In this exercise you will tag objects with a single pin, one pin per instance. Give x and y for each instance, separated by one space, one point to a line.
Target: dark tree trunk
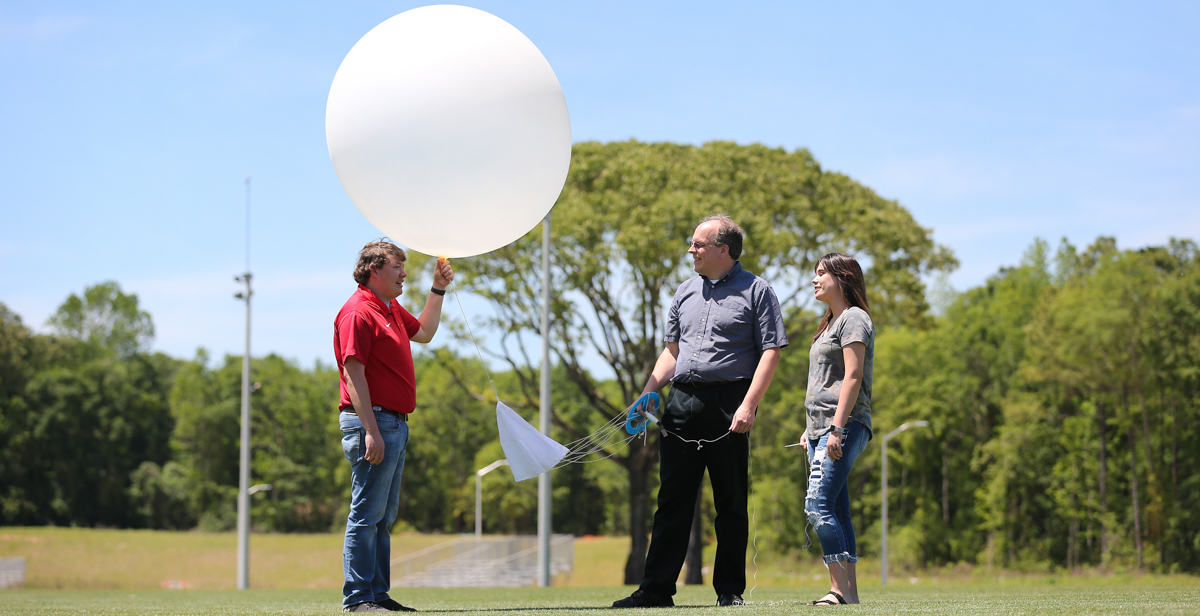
1146 436
1133 493
1174 449
695 550
639 463
1170 544
945 488
1101 427
1072 545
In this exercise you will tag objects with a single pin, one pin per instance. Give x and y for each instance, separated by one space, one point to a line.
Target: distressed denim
827 503
374 502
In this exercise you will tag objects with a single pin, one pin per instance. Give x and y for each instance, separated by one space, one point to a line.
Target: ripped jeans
827 503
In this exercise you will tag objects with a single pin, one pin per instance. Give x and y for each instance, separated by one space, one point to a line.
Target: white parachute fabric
529 452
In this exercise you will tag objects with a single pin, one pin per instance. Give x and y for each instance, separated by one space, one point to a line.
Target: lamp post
243 501
479 494
884 483
544 415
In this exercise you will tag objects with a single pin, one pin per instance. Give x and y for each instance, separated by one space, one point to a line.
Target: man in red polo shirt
371 338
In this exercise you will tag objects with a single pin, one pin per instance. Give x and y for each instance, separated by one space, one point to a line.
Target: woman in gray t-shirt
838 402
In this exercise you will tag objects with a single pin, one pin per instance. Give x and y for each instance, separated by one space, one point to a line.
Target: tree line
1061 393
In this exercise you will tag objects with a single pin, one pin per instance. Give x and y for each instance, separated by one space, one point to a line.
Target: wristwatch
838 430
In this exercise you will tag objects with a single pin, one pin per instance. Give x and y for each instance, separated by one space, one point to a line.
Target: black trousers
701 413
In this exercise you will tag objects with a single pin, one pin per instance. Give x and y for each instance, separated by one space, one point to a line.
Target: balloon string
590 444
698 442
474 341
753 512
596 442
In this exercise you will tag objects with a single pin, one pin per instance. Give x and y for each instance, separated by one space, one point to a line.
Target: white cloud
42 28
225 45
956 232
937 177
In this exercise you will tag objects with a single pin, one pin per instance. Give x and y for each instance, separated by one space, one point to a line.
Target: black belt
378 409
704 384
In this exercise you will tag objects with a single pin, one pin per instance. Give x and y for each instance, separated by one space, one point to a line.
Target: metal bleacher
12 572
504 561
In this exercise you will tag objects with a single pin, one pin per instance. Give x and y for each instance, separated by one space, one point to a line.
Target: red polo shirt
378 336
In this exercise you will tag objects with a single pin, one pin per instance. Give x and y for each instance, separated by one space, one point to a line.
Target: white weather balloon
449 130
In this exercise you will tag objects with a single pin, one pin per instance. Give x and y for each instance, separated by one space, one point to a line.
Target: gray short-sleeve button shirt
723 327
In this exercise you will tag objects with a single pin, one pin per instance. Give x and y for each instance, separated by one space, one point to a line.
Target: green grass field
85 571
1154 596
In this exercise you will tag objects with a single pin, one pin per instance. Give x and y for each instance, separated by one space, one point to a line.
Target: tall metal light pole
243 503
544 418
884 483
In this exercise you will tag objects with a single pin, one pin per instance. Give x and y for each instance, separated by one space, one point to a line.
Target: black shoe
644 598
392 605
730 599
365 606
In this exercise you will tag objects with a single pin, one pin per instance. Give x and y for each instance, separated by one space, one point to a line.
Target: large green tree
957 375
1061 398
618 255
294 443
105 319
84 408
20 359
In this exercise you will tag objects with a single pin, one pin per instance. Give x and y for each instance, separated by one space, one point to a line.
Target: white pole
243 502
884 501
479 494
544 418
884 495
478 506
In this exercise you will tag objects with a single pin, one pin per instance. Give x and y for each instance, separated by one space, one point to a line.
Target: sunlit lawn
1150 596
85 571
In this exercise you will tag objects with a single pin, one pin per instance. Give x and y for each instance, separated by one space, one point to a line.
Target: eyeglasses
699 245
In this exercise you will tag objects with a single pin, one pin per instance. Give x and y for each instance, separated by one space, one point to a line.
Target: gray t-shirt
827 370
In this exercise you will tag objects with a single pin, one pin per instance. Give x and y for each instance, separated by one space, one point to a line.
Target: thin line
586 445
699 442
753 513
473 340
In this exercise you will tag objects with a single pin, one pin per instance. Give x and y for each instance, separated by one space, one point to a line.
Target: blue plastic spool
635 422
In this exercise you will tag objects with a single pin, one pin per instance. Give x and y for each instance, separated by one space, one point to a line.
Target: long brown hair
850 279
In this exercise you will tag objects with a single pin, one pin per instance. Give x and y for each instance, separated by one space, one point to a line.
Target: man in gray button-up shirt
724 334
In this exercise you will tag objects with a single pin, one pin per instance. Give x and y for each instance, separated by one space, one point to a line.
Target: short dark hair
728 233
374 256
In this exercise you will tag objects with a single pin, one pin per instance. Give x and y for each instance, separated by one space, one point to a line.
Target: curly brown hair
374 256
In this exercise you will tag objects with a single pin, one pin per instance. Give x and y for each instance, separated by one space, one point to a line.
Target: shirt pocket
828 352
732 320
735 311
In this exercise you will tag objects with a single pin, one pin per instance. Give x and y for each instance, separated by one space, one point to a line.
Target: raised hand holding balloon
448 113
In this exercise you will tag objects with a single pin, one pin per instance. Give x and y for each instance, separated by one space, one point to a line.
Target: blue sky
128 129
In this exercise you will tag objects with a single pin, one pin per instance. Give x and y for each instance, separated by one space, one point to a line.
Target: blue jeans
374 502
827 503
